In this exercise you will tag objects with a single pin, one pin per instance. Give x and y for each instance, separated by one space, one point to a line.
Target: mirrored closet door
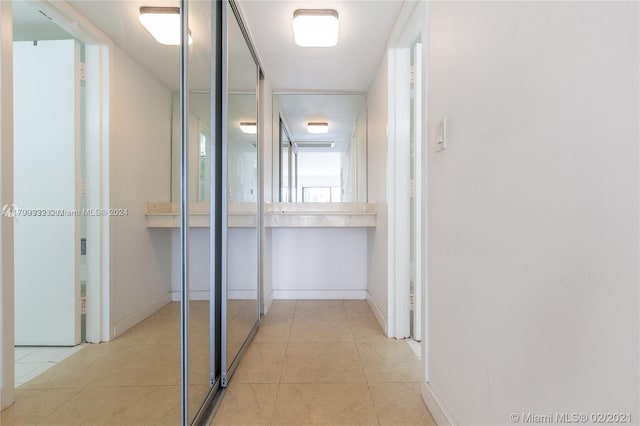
240 309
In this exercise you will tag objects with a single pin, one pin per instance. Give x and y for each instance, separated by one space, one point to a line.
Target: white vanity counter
276 215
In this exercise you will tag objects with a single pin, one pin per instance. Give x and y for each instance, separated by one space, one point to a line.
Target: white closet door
46 176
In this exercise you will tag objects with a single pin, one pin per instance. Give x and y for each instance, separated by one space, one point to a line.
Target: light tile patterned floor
32 361
324 362
312 362
133 380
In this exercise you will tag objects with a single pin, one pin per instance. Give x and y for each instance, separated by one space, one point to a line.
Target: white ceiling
30 24
119 20
350 66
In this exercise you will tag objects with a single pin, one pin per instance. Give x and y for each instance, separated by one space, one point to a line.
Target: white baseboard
126 323
4 404
268 301
320 294
378 313
242 294
436 407
199 295
196 295
6 398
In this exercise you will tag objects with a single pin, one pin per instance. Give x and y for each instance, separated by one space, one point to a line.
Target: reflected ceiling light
315 27
249 127
163 23
317 128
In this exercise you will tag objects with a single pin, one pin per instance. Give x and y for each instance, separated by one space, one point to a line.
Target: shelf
276 215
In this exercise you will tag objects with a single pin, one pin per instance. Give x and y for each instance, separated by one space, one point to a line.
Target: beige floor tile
389 361
320 310
197 395
144 365
262 363
274 330
282 309
161 327
322 363
233 349
315 330
400 404
199 364
361 314
327 404
356 307
247 404
122 406
33 406
366 328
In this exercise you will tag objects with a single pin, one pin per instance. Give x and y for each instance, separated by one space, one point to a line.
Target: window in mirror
242 142
320 174
332 166
205 165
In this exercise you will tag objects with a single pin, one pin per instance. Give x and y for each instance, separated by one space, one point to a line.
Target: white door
46 177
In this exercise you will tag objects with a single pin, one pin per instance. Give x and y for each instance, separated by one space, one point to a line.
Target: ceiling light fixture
315 144
316 27
163 23
317 127
249 127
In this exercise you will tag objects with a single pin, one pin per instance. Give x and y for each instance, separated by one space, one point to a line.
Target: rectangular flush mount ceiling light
316 27
317 128
304 144
249 127
163 23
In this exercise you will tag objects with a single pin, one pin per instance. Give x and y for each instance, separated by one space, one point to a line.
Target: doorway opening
59 90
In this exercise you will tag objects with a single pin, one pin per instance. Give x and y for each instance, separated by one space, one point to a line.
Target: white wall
140 166
199 264
533 209
242 264
319 263
6 197
377 111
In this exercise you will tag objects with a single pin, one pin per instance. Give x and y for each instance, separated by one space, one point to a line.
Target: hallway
312 362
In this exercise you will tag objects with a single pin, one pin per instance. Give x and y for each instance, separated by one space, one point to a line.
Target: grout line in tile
53 410
275 400
366 379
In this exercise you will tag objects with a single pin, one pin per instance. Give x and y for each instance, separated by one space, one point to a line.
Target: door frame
411 24
97 180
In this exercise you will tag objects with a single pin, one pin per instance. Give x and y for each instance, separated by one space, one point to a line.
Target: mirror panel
242 191
328 167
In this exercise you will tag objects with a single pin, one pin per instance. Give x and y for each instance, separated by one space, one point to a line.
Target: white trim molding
377 312
202 295
129 321
194 295
7 325
404 34
320 294
436 407
268 301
